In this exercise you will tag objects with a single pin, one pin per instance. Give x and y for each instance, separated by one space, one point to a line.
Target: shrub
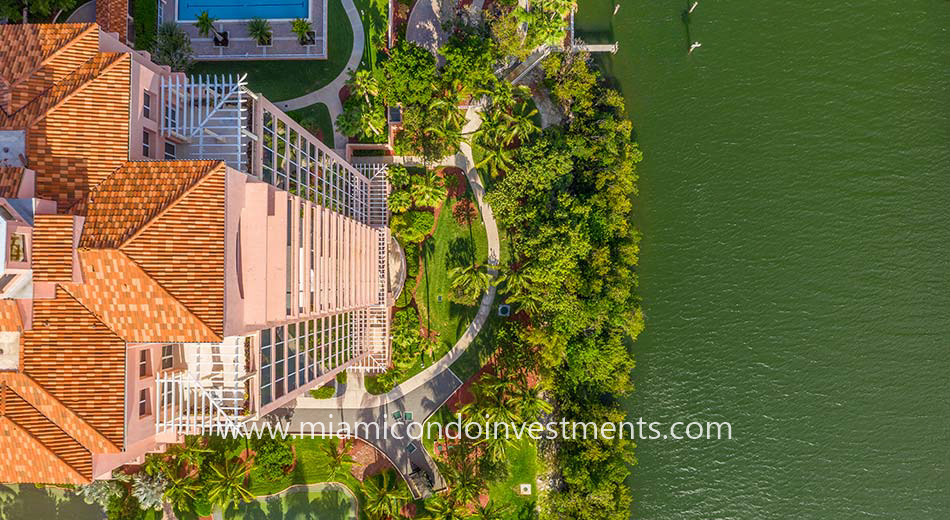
412 227
341 378
398 176
324 392
149 490
172 47
260 30
272 456
400 201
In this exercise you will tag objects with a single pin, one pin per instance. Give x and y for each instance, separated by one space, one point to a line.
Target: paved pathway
329 94
357 398
425 392
384 428
425 25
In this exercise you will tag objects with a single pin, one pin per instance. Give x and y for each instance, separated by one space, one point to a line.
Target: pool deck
284 44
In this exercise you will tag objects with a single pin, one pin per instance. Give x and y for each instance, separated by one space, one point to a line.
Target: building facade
180 257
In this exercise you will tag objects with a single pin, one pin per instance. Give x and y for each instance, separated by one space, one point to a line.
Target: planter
310 39
221 39
265 43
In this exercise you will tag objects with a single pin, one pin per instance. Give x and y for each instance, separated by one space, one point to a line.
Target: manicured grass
316 119
324 392
373 14
450 246
522 469
280 80
298 505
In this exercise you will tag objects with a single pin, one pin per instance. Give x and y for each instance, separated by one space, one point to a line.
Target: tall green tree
469 282
226 483
339 458
385 495
205 25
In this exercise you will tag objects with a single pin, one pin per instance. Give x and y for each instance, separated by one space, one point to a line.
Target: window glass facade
292 162
303 351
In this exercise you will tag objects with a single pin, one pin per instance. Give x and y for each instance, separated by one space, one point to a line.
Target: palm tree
181 491
301 27
528 302
527 400
260 30
363 83
496 158
339 457
521 122
490 511
427 190
205 25
515 283
462 477
470 281
384 496
448 111
226 483
441 508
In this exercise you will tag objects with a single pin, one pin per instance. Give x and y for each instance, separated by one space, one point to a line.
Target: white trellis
209 115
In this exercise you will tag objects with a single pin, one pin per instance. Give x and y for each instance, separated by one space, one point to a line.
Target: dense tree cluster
566 204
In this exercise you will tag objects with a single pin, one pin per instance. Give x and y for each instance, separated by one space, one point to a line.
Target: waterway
795 271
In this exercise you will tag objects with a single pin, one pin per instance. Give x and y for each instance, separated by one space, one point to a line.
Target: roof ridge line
59 50
150 277
44 416
90 311
47 448
113 59
214 166
173 297
52 397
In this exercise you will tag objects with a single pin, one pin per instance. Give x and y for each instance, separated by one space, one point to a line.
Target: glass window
168 356
144 408
266 365
143 363
280 356
146 144
147 105
169 150
291 357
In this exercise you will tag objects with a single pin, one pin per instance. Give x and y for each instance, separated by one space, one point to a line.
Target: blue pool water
188 10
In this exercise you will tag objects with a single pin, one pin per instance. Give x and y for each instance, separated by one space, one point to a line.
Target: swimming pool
188 10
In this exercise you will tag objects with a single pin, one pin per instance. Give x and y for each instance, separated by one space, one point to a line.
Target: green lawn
373 14
280 80
316 119
451 246
297 505
312 466
522 469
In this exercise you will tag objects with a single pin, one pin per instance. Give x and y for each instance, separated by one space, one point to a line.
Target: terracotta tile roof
72 355
10 179
53 248
48 434
57 413
133 305
36 105
26 49
25 459
10 319
183 249
138 192
78 144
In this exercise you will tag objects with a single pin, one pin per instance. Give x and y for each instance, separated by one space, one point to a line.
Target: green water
795 200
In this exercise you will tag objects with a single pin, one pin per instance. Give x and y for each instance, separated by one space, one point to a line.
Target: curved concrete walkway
329 94
356 396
